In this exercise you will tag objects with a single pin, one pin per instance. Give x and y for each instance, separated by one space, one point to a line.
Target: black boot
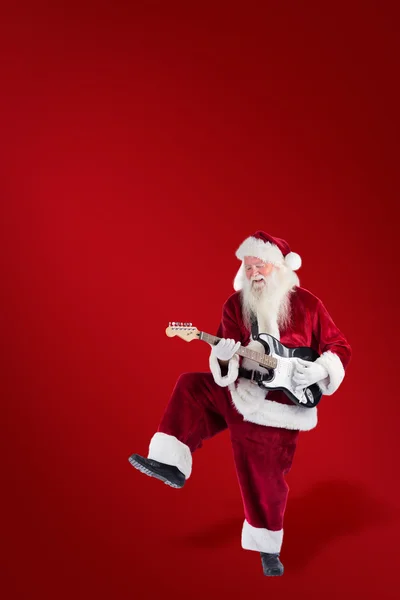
271 564
170 475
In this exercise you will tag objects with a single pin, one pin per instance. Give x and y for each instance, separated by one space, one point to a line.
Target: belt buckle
252 378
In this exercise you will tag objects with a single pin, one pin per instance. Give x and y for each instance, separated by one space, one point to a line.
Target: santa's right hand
225 349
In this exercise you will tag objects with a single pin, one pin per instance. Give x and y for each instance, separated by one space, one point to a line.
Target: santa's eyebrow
260 264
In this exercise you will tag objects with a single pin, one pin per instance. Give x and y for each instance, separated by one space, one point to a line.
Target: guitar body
281 378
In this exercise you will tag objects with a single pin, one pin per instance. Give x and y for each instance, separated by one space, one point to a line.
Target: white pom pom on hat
268 249
293 261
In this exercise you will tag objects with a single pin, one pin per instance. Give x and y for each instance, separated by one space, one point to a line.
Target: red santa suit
263 425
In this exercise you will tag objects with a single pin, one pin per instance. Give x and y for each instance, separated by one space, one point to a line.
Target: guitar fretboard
262 359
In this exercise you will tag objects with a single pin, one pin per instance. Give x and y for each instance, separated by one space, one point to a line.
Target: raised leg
192 415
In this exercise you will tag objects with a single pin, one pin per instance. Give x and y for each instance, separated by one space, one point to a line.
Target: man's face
257 271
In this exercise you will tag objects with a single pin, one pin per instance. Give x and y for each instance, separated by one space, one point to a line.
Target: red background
142 144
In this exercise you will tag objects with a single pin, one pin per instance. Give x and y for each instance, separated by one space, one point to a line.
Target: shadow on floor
330 509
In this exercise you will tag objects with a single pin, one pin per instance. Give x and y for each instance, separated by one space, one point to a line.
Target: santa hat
268 249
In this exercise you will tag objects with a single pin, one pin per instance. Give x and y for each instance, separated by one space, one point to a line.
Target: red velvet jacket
311 325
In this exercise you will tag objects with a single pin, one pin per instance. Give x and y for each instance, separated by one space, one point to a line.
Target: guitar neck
262 359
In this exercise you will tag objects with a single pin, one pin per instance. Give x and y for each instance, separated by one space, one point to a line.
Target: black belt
255 376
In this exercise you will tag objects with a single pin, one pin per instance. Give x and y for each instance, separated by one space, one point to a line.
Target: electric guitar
277 359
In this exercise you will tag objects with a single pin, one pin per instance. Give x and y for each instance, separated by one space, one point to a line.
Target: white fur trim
293 261
169 450
260 539
263 250
233 370
251 401
333 365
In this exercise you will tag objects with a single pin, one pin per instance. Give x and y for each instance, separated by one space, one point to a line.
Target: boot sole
279 574
146 471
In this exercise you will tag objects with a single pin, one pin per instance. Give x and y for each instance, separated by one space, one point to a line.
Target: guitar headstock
186 331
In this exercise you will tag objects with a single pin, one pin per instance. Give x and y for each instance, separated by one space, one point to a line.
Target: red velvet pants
199 409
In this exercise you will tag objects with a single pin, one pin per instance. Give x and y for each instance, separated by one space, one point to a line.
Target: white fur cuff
170 451
333 365
233 370
260 539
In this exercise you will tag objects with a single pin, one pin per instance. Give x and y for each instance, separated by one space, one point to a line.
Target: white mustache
258 278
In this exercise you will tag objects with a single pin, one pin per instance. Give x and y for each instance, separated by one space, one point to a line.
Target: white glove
306 373
225 349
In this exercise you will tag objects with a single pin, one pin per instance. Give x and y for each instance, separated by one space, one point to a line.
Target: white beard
271 303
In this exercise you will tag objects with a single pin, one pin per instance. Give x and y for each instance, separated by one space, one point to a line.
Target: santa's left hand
306 373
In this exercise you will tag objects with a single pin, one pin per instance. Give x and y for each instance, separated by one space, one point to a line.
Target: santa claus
263 424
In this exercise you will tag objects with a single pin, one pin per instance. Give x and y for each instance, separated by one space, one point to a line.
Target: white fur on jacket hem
333 365
260 539
250 401
169 450
233 370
